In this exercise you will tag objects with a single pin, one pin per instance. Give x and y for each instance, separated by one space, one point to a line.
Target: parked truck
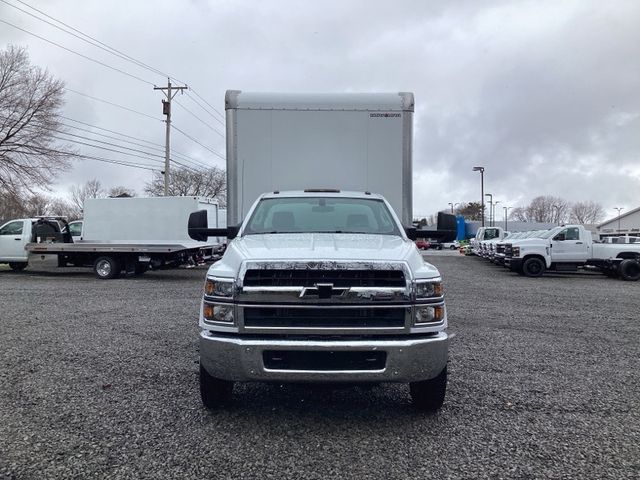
321 281
118 235
568 248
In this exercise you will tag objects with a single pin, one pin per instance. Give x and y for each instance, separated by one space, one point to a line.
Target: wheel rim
534 268
103 268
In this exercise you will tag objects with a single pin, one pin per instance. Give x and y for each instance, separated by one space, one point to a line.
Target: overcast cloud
544 94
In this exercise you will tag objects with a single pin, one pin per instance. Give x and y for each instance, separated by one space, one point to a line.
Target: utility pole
170 92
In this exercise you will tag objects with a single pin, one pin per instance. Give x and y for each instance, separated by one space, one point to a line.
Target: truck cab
14 235
322 286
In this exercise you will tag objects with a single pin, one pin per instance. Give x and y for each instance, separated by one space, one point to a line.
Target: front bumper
514 264
236 358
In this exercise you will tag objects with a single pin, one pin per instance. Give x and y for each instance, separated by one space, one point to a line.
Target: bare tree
30 104
182 182
543 209
586 212
120 191
91 189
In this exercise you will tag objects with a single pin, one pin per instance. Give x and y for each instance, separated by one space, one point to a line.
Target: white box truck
118 235
321 280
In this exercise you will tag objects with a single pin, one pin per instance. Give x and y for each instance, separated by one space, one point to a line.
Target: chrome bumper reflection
241 358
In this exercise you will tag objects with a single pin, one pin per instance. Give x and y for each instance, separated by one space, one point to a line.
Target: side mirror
198 228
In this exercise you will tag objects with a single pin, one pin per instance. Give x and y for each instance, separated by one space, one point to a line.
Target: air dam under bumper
243 359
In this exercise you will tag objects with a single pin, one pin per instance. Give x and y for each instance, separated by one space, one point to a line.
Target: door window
13 228
572 234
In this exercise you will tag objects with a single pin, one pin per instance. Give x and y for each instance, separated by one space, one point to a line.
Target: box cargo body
157 220
358 142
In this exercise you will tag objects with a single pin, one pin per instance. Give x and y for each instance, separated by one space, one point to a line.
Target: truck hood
530 242
338 247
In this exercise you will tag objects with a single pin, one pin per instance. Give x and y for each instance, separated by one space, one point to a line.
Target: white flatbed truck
120 235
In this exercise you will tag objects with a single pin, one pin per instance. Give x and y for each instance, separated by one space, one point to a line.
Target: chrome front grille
324 297
323 317
312 277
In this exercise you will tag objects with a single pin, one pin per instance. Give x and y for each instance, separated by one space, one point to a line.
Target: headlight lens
214 287
516 251
428 289
217 313
425 314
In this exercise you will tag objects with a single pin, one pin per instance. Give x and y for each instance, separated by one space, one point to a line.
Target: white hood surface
328 247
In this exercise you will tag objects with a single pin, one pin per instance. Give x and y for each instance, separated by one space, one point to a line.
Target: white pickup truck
570 248
483 234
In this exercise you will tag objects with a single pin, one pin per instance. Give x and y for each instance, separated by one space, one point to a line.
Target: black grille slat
323 317
311 277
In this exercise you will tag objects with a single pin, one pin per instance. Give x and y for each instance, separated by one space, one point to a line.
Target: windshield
548 233
321 215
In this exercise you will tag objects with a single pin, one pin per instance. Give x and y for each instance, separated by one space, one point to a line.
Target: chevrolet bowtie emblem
325 290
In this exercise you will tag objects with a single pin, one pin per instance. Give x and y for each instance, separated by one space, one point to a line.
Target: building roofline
630 212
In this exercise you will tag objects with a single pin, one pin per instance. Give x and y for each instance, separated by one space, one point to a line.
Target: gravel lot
99 379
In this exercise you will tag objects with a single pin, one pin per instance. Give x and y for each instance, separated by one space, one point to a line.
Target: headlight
425 315
216 287
217 313
516 251
428 289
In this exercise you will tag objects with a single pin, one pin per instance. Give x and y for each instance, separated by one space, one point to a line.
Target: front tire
629 270
214 392
533 267
106 268
17 266
428 395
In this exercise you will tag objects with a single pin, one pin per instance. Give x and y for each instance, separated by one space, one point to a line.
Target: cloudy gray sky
544 94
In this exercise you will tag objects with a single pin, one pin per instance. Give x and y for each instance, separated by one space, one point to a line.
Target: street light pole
490 205
453 205
557 207
481 170
619 209
494 211
506 211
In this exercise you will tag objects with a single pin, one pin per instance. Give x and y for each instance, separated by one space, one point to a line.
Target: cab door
13 238
568 247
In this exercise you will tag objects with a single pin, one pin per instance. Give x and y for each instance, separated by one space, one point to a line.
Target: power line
205 109
123 153
118 162
214 108
77 53
195 164
153 146
92 41
111 103
110 143
199 119
196 141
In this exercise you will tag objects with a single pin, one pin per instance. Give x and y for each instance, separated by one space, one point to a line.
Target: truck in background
567 248
321 281
118 235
